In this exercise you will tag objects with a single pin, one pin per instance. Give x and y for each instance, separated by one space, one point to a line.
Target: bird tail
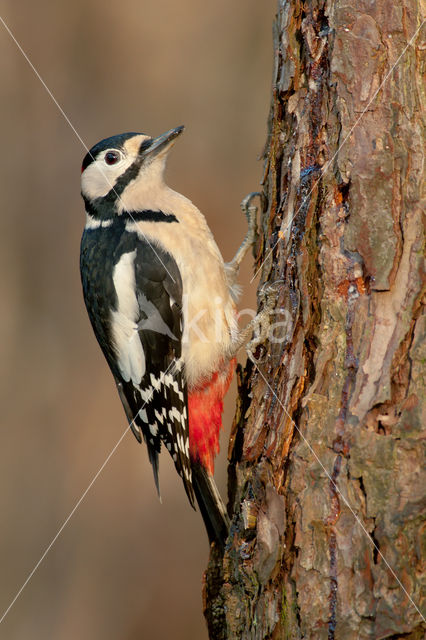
211 505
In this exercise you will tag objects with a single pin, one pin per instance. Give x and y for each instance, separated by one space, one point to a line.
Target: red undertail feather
205 406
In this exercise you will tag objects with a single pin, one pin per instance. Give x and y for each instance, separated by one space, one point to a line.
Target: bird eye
112 157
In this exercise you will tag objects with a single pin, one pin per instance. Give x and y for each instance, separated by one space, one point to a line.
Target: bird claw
269 291
250 212
261 322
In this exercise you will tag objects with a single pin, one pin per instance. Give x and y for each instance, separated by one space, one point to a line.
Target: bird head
119 171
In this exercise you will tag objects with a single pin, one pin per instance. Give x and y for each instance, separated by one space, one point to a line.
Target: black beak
162 143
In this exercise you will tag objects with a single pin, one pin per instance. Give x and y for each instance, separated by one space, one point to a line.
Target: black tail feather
153 458
211 505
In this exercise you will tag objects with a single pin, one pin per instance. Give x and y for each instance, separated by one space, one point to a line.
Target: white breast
208 309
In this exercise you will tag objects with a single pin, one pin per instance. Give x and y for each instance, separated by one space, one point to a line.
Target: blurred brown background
125 566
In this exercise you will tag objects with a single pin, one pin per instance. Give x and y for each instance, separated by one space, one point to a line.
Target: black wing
157 407
153 392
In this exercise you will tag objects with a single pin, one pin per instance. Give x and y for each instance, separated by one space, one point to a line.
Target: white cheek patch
130 353
99 178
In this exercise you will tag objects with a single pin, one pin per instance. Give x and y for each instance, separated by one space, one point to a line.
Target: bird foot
268 295
260 325
250 212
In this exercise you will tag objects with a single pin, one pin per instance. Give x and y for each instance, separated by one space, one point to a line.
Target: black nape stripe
102 211
148 216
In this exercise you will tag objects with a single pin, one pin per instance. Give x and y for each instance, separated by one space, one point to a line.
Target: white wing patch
130 353
92 223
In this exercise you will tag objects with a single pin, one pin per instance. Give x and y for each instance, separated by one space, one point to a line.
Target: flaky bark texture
325 455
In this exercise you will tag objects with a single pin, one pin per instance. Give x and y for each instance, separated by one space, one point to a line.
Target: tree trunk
325 482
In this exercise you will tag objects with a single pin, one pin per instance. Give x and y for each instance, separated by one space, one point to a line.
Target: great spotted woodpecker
161 302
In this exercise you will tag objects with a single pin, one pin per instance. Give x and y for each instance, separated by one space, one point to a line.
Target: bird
162 304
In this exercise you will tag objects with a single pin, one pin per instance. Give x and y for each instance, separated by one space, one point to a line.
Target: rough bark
325 481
